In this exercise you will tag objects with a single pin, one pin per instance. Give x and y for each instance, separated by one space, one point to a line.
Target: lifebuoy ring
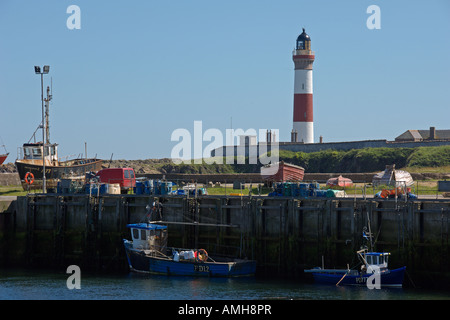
29 178
202 255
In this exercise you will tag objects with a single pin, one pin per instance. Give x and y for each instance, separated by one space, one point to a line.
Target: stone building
423 135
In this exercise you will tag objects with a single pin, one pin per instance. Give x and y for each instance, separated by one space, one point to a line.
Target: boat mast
47 113
370 231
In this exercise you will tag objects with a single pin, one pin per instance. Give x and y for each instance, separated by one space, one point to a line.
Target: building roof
440 134
418 135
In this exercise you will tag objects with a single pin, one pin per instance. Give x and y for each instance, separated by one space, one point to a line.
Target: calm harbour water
44 285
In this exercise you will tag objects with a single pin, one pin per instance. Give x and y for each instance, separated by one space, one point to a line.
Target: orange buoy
29 178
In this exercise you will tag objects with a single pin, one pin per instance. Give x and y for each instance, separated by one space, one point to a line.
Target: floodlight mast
46 70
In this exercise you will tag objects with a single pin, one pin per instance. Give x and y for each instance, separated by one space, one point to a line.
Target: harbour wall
350 145
9 179
284 235
254 149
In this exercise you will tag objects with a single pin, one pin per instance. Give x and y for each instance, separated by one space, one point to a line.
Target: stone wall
315 147
9 179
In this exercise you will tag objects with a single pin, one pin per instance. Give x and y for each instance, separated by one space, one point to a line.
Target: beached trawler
148 253
30 165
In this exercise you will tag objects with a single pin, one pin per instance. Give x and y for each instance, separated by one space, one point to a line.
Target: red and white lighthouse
303 128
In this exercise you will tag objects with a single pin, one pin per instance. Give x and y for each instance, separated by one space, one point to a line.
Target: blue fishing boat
374 272
148 253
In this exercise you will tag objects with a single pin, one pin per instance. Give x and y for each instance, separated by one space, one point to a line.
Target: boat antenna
47 115
110 160
369 236
3 145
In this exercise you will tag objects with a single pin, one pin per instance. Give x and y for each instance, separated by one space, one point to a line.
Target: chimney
432 133
268 136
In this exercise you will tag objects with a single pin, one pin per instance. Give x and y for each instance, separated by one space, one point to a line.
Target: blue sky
138 70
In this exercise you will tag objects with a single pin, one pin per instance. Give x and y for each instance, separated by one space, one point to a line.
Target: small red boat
282 172
339 182
3 158
4 155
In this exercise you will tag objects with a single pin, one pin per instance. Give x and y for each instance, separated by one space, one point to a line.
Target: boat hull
388 278
141 262
65 170
283 172
3 158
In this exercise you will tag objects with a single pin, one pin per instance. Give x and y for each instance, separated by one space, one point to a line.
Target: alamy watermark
374 20
74 280
255 145
374 281
74 20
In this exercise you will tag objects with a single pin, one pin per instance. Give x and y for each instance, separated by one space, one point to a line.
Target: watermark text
252 145
74 281
74 20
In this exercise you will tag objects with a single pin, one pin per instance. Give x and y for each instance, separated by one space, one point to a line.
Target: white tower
303 128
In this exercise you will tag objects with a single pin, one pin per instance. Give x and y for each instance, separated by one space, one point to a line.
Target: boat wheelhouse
148 237
374 260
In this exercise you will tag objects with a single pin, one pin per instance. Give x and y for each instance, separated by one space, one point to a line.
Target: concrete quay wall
284 235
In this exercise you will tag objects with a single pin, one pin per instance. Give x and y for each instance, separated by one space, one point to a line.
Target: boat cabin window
52 150
142 235
36 152
380 259
27 152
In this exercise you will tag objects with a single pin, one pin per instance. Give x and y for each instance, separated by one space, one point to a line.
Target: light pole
45 70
